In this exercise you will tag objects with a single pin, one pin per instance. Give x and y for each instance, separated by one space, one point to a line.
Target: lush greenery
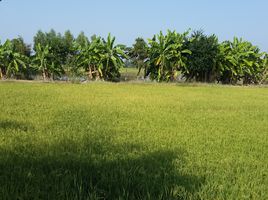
196 57
133 141
167 54
102 58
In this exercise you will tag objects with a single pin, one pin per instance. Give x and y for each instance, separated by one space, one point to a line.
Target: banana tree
41 59
90 57
167 55
265 71
112 59
226 63
11 62
158 53
240 60
1 60
252 63
177 54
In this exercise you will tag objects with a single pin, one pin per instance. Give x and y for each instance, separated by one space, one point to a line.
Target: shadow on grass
93 168
149 176
9 125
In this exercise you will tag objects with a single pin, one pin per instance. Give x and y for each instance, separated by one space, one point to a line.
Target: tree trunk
173 77
89 73
1 74
44 75
97 73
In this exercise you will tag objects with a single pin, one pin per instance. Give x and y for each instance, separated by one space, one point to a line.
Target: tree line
194 56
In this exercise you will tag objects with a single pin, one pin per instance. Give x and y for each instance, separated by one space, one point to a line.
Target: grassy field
130 74
133 141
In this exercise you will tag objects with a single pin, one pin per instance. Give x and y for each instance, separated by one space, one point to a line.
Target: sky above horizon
129 19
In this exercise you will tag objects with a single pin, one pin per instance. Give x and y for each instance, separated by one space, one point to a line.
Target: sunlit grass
133 141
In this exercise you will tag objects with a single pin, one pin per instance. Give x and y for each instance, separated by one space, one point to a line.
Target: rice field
133 141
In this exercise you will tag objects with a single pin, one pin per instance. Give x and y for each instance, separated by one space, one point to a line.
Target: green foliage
102 59
69 52
11 62
43 62
265 72
20 47
167 54
199 57
2 55
201 63
240 60
139 55
82 40
112 59
60 46
90 57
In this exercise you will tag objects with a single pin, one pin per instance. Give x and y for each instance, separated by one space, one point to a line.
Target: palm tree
112 59
41 58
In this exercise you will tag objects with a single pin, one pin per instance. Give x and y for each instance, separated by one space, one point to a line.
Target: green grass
130 73
133 141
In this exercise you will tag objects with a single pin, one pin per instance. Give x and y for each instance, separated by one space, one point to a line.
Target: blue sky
128 19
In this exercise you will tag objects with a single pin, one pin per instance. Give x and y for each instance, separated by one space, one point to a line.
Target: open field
130 73
133 141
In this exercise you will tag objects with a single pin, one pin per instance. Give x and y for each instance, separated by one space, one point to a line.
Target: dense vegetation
196 57
133 141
